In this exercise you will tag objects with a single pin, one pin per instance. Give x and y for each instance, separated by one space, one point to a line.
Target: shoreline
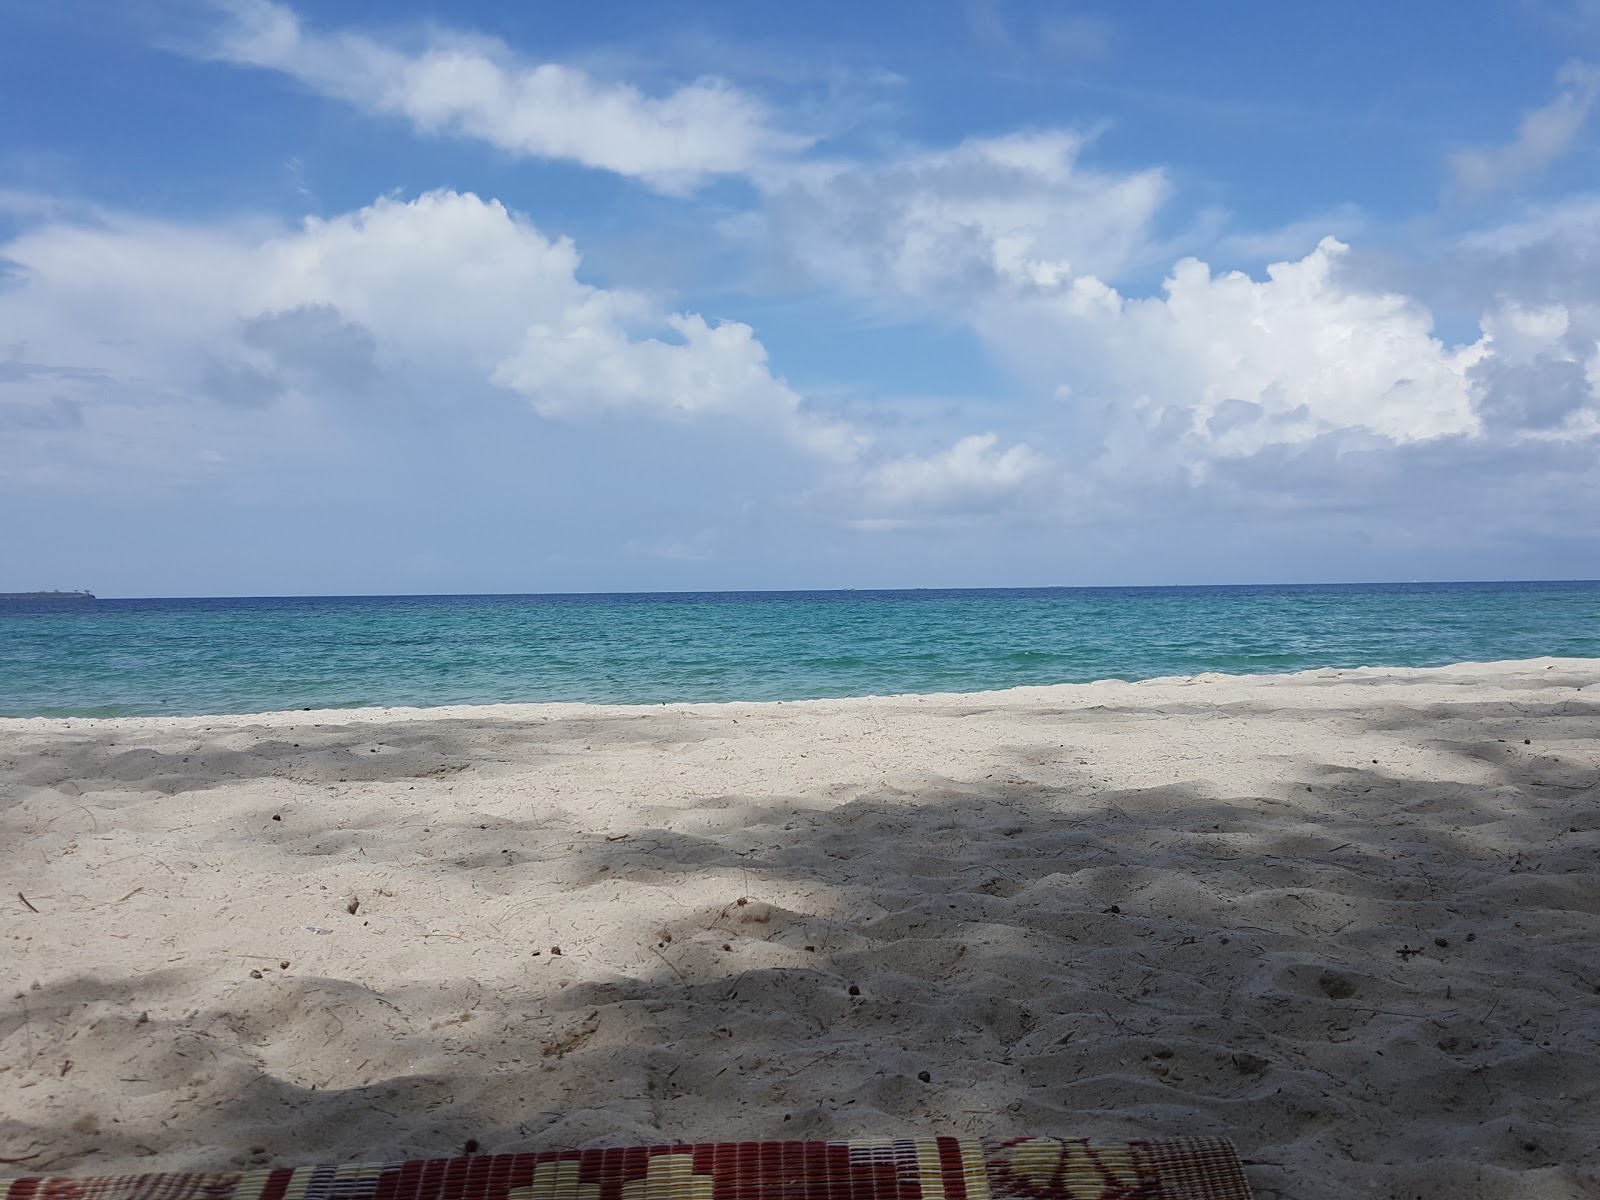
1347 918
511 710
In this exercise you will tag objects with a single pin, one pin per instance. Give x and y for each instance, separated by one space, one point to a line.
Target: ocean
206 656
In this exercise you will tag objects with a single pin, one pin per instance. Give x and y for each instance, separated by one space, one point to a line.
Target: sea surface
171 657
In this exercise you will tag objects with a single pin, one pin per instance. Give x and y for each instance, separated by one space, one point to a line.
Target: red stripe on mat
942 1168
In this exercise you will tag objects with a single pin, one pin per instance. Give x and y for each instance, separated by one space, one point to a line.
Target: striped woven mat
938 1168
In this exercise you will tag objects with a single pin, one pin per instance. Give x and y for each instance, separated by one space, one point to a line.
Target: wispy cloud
1058 35
945 226
1545 134
475 87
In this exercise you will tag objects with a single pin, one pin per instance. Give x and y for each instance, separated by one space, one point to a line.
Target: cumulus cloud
1307 397
1294 385
1545 134
1238 363
1541 376
1018 238
1549 255
975 467
945 226
474 87
314 342
973 476
588 361
446 294
1302 387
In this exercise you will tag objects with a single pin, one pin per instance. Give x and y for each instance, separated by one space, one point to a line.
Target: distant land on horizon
760 591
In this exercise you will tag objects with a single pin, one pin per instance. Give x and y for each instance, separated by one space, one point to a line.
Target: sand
1350 919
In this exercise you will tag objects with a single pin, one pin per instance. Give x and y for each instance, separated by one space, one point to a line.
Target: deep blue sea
134 657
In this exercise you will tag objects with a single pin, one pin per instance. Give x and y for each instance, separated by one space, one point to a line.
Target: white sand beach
1350 919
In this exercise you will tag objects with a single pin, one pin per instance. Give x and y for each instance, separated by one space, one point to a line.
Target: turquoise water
132 657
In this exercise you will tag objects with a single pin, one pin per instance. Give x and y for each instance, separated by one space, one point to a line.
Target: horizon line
1061 587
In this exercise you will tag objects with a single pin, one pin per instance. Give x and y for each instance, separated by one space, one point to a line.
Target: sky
351 297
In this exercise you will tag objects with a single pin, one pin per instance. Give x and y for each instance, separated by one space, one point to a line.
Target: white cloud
1550 255
1303 387
1073 37
446 295
1015 237
1540 376
1571 225
947 226
1235 364
587 361
1055 35
474 87
1537 280
1544 135
972 475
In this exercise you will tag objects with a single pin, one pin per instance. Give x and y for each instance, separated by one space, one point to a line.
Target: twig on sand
24 899
80 808
684 978
812 1063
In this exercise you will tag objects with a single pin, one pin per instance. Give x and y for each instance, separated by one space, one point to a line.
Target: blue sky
350 297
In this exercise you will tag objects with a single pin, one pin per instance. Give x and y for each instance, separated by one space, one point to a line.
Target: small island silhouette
46 595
